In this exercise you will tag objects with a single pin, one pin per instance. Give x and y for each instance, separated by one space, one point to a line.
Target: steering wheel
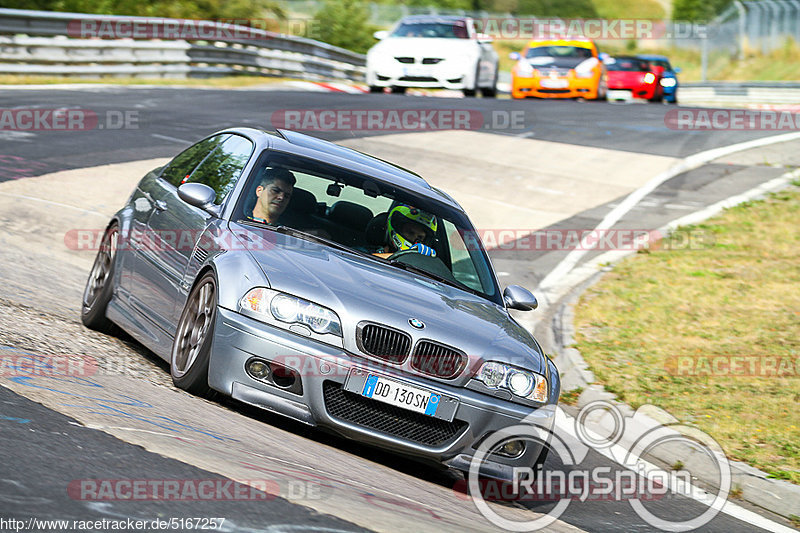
400 253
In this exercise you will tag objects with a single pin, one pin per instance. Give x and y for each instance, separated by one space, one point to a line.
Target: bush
344 23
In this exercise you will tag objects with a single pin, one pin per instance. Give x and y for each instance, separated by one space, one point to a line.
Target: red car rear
629 77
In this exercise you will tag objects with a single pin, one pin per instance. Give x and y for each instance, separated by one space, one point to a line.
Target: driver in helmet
407 228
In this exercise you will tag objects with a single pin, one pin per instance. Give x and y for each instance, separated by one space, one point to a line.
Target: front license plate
401 395
414 71
555 84
619 94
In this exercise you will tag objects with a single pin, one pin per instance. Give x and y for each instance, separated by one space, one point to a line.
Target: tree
344 23
698 10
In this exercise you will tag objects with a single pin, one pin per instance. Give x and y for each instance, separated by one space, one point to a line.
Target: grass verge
663 327
778 65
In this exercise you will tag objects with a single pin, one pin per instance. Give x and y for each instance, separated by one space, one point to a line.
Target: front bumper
323 370
645 91
444 75
536 87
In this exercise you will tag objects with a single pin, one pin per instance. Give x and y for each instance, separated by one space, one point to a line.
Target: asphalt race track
127 421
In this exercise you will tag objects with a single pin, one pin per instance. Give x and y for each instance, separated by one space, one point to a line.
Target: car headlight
524 69
521 383
292 310
649 77
584 73
668 82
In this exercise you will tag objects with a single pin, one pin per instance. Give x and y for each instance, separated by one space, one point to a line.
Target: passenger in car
407 228
273 194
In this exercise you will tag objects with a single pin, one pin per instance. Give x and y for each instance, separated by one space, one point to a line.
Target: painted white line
168 138
49 202
555 276
585 271
695 493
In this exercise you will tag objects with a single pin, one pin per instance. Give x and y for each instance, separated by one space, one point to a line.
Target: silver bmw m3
331 287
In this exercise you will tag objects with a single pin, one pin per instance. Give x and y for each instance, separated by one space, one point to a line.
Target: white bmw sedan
433 52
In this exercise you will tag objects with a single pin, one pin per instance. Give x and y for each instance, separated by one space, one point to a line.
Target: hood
624 78
424 47
545 62
361 289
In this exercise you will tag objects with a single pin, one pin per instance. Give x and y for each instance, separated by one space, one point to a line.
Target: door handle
161 205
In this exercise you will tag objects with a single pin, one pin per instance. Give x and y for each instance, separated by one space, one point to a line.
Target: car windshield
354 212
571 52
441 30
627 65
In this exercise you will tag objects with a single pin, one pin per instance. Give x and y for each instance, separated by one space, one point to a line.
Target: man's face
274 198
414 232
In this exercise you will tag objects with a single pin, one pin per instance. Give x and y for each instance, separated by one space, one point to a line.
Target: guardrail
740 93
39 42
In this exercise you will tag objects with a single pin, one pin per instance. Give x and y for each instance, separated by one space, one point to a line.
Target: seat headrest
376 229
302 201
350 214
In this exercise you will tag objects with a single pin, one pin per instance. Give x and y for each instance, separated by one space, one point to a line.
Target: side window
463 266
222 168
184 163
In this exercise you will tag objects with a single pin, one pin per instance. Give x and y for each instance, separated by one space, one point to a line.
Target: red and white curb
328 87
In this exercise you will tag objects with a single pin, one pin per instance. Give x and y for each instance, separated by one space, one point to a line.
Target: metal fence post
742 27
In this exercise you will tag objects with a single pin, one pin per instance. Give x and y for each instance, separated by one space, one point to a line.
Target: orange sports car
559 68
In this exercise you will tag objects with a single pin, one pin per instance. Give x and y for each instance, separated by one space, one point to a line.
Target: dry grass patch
739 296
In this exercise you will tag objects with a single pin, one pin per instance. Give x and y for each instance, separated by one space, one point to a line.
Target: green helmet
401 214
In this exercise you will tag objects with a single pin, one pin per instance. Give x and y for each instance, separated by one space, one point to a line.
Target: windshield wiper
437 277
287 230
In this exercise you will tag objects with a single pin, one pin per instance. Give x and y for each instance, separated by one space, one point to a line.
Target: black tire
374 89
491 92
602 95
191 347
99 287
472 92
398 90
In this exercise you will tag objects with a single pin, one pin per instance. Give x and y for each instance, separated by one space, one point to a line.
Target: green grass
628 9
736 296
779 65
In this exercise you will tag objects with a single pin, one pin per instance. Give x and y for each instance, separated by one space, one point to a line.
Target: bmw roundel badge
415 323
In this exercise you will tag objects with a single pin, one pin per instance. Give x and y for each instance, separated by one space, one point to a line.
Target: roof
653 57
560 40
347 158
433 18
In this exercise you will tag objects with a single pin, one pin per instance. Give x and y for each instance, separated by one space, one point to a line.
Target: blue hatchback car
669 76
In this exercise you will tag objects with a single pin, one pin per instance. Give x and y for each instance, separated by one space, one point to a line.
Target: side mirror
483 38
515 56
520 298
199 195
676 69
381 34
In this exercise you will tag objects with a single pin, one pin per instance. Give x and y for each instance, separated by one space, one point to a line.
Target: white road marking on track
552 279
168 138
24 197
695 493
